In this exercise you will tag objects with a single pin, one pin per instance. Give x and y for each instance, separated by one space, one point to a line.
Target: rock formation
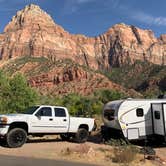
32 32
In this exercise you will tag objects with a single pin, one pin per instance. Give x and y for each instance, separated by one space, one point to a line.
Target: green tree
4 92
107 95
21 95
72 102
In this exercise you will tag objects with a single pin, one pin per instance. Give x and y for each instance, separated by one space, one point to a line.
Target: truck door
158 119
61 120
42 122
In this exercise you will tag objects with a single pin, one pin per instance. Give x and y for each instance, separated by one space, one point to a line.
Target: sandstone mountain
32 33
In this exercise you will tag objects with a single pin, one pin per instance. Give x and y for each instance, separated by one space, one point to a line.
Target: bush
86 106
107 95
117 142
124 154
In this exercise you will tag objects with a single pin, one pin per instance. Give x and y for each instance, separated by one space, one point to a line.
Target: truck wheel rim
17 138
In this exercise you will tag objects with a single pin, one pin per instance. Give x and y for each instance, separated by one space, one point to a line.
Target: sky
94 17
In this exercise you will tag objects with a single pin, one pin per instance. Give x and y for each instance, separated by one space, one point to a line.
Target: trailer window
139 112
109 114
157 114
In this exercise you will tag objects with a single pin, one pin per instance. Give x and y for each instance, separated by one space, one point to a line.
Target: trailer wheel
16 137
105 133
65 137
81 136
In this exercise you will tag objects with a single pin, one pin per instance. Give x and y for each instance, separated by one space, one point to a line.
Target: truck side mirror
38 116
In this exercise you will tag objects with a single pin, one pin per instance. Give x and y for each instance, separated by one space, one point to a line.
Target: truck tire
16 137
81 136
65 137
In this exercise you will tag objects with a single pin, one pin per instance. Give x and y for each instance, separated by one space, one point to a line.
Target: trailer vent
140 112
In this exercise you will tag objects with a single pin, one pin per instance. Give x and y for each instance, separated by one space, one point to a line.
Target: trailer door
158 119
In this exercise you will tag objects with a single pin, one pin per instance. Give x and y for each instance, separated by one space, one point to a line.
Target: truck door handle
64 120
51 119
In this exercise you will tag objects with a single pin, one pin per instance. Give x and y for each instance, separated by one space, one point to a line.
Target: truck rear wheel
82 135
16 137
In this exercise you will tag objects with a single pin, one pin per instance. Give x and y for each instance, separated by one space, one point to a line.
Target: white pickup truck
42 120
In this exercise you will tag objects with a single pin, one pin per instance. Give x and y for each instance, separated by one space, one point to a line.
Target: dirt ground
51 147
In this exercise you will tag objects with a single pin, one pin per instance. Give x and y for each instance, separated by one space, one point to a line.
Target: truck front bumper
3 129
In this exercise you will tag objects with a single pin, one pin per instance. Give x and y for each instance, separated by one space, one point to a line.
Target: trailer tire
82 135
105 133
16 137
65 137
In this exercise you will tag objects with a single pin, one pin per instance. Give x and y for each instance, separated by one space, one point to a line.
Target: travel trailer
135 119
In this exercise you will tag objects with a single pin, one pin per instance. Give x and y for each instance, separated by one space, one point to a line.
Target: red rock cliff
32 32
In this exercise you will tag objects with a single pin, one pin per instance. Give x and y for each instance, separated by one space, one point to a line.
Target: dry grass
66 152
124 154
79 149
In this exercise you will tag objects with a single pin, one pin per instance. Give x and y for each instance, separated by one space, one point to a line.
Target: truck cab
50 119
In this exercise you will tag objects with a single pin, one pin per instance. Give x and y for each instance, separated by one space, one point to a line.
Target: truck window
44 111
60 112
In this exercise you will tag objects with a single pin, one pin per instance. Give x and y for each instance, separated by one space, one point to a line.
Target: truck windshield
31 110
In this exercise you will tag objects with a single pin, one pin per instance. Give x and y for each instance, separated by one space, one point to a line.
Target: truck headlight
3 120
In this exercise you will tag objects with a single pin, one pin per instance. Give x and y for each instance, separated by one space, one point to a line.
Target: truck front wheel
82 135
16 137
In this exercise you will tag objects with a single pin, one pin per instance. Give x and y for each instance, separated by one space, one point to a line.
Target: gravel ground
53 148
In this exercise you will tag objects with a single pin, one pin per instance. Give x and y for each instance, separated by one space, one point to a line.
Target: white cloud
148 19
73 6
84 1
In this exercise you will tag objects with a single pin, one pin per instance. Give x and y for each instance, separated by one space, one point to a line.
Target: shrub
124 154
67 151
86 106
117 142
106 95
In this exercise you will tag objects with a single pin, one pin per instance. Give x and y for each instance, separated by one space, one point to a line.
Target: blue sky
93 17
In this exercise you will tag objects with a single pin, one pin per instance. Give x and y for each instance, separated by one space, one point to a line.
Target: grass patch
67 152
124 154
17 64
116 142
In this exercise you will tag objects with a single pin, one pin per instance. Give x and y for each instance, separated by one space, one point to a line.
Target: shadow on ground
93 138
